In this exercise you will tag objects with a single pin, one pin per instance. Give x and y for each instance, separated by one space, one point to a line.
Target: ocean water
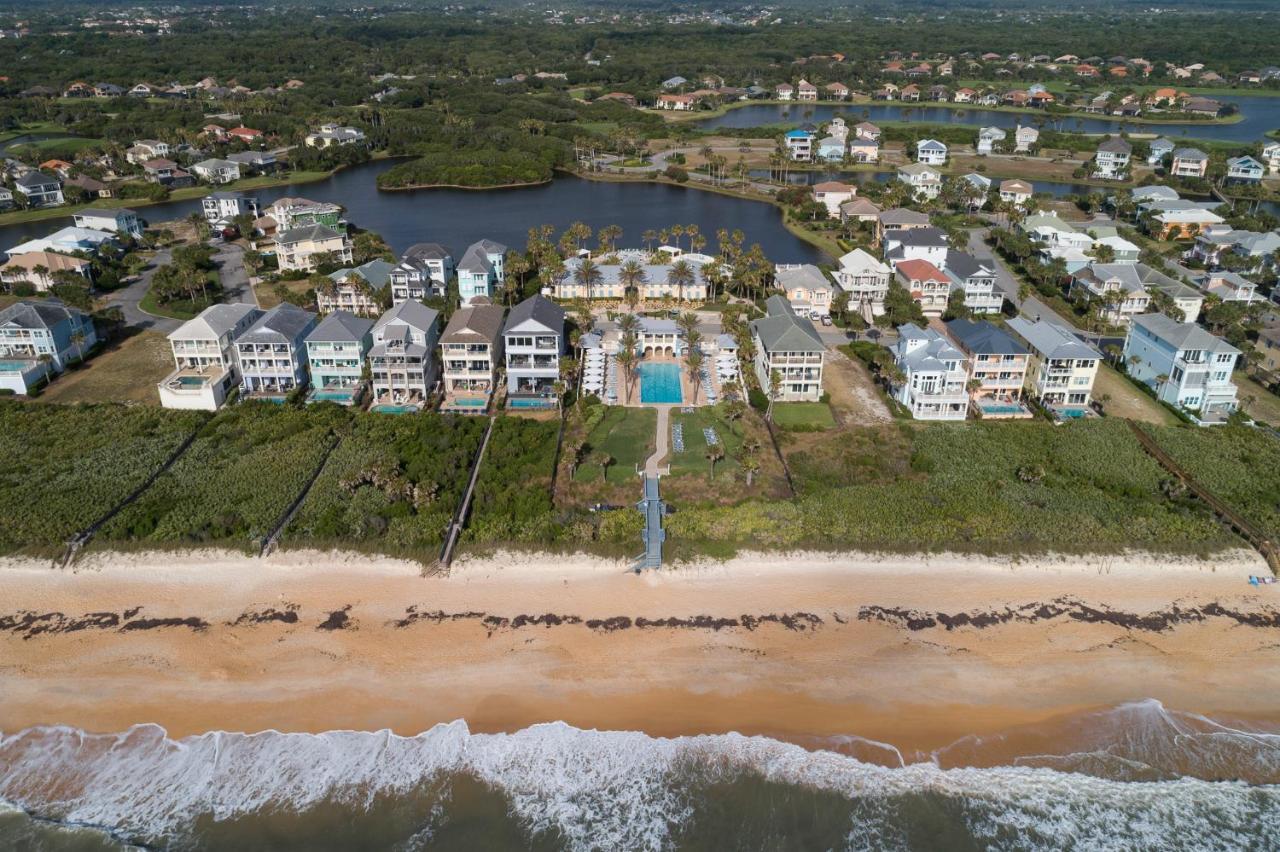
1133 777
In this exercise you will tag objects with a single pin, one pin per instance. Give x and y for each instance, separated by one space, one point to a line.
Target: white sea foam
604 789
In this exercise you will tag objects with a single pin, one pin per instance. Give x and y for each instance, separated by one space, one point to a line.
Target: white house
800 145
934 375
271 354
833 193
223 207
1015 191
334 134
808 291
68 240
925 182
39 189
1124 291
1063 367
121 220
402 358
987 139
1185 365
1271 156
1244 170
1024 139
976 279
356 289
217 171
790 346
1112 159
204 357
927 243
866 280
931 152
533 342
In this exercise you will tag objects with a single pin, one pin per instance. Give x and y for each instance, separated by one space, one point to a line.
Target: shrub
759 399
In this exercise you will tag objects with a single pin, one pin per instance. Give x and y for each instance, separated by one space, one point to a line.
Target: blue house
831 149
1245 170
480 270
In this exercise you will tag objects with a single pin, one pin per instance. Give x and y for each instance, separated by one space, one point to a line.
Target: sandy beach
915 651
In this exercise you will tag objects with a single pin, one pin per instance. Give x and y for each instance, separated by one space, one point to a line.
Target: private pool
395 409
343 396
469 403
192 381
530 402
14 366
660 384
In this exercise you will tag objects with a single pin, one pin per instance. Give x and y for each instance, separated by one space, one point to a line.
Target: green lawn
183 309
694 458
1258 402
626 434
803 415
66 143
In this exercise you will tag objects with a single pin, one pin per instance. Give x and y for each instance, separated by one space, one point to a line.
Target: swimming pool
395 409
15 366
345 397
1000 408
192 381
660 384
527 402
469 402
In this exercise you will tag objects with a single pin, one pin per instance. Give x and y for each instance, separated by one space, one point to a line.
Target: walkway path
660 441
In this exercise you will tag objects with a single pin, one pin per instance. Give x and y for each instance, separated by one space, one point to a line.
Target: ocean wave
562 787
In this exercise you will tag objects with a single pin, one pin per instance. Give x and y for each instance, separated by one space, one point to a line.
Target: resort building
808 290
866 280
480 270
998 363
470 351
204 357
680 279
402 356
336 350
423 272
307 247
272 354
791 346
1063 367
934 375
533 343
1185 365
358 289
38 339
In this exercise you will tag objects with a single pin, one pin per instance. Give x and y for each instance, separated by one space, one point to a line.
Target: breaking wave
1137 776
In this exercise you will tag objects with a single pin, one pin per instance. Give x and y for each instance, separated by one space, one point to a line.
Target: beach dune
913 651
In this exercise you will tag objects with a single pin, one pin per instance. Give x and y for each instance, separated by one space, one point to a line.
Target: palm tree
602 460
715 453
775 390
45 360
680 275
626 359
627 324
693 359
632 275
587 274
687 322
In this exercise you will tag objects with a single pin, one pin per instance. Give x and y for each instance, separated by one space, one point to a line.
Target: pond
1261 114
457 217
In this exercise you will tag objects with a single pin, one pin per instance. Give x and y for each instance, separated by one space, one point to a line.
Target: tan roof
474 324
48 259
832 186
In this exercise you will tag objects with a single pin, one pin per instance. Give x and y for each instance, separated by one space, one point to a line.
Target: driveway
128 299
234 276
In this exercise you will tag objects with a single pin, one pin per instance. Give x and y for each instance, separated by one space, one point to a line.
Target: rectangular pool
395 409
660 384
469 403
527 402
15 366
343 397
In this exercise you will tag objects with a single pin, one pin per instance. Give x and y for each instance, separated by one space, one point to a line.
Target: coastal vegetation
512 501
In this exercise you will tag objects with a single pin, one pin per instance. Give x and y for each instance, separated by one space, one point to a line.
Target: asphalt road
231 270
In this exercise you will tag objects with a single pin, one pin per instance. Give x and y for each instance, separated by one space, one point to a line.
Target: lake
456 218
1261 114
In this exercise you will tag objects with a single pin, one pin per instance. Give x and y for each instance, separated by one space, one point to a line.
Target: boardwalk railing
464 505
270 540
1225 513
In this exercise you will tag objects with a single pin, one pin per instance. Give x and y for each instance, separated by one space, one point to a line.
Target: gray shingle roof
1052 341
282 324
42 314
215 320
376 272
475 323
314 233
783 331
984 338
540 310
1184 335
410 312
901 216
1116 145
341 327
427 251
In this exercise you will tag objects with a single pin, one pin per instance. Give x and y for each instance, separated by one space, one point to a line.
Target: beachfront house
925 182
470 351
272 353
480 270
1184 365
533 342
998 363
309 247
866 279
402 355
423 272
361 290
791 347
934 375
808 290
1063 367
120 220
336 350
38 339
1111 162
204 357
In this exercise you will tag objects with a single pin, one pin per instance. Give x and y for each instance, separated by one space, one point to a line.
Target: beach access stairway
654 535
272 538
464 506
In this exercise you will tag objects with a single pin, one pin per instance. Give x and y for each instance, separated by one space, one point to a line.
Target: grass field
1128 401
694 458
125 372
803 415
1258 402
267 296
626 434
